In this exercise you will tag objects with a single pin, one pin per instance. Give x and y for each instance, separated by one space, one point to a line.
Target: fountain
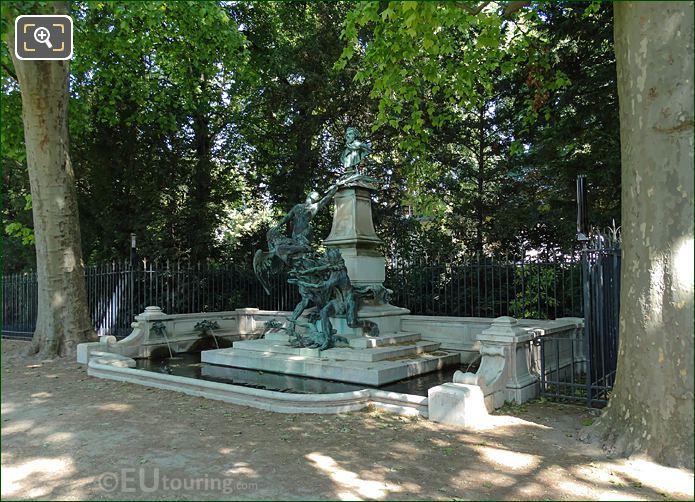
344 335
207 327
344 327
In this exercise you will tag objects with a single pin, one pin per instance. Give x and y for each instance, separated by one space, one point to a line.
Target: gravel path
69 436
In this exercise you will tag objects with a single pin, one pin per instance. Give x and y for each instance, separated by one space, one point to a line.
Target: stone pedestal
503 374
353 234
372 361
457 404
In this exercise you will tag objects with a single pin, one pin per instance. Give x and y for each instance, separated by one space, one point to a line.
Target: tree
157 94
579 132
63 319
651 408
443 77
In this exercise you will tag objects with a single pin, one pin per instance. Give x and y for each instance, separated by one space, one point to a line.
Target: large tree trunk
651 409
63 319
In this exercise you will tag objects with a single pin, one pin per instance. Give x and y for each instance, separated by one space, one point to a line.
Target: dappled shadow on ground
68 436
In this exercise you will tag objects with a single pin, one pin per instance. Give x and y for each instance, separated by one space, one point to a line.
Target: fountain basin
281 402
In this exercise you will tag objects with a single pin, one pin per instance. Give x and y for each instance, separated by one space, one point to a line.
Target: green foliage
194 124
533 284
502 110
428 61
19 230
156 90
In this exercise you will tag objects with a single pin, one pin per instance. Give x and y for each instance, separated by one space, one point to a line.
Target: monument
344 327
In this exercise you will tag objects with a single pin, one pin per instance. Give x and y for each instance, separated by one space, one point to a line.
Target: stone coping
551 326
448 319
120 369
162 316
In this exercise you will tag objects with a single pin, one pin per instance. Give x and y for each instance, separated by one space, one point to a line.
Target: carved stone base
364 270
387 317
373 361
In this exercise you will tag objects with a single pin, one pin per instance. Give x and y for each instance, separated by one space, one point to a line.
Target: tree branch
473 11
512 7
9 71
509 8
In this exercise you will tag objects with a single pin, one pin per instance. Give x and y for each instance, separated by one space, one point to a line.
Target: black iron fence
117 292
583 369
486 287
477 287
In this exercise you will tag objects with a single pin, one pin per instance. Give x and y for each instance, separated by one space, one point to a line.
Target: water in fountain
212 332
189 365
171 353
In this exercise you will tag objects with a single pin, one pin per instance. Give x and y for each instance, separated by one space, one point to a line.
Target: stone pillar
353 234
504 373
246 322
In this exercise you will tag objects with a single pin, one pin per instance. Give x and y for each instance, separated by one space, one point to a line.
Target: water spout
207 327
160 330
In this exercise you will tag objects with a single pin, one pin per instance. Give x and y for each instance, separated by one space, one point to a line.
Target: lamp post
582 210
133 251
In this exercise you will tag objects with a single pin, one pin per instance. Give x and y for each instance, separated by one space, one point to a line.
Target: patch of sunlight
58 299
69 260
618 496
573 489
511 459
243 469
497 421
683 259
671 480
18 426
33 479
351 484
115 407
59 437
656 293
8 408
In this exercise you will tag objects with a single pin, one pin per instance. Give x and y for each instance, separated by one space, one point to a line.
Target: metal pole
133 250
582 209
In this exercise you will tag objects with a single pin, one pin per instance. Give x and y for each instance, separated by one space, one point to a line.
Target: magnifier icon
43 36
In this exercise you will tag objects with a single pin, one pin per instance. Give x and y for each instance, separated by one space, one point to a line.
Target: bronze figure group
321 277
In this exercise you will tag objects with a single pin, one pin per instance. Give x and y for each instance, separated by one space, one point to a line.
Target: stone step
364 372
277 337
384 353
275 347
395 338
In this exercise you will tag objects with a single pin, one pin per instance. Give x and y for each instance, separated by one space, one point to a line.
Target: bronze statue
322 279
300 215
337 297
355 150
282 250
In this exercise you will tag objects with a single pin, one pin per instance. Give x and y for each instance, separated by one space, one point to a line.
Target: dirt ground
69 436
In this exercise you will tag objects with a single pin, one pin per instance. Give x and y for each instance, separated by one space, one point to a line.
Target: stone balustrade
509 370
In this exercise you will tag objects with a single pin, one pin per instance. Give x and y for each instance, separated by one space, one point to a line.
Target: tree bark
63 319
651 409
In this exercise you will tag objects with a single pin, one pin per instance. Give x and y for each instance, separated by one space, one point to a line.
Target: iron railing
485 287
583 369
578 369
477 287
117 292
